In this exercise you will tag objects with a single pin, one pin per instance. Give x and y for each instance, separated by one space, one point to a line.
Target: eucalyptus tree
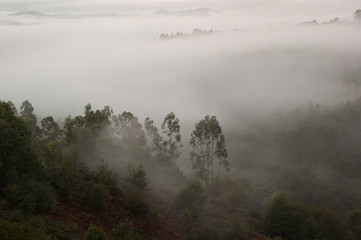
208 144
128 128
17 155
27 113
153 138
172 142
129 135
90 126
50 129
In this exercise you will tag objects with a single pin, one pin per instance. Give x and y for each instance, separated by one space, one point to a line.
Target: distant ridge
30 13
190 12
36 14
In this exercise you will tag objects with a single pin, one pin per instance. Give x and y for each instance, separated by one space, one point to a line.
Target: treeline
195 33
336 20
94 158
112 177
312 154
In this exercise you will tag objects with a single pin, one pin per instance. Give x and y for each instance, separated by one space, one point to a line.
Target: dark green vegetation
104 176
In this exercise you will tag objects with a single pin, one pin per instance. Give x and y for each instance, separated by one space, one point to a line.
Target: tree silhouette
208 144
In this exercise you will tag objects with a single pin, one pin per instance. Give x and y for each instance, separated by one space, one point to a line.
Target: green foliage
67 176
89 133
281 218
135 202
31 196
153 139
171 128
96 195
50 130
17 156
186 219
193 198
128 133
155 214
13 108
127 231
323 223
104 175
27 113
236 231
51 155
210 233
20 231
45 196
138 177
94 233
354 224
208 144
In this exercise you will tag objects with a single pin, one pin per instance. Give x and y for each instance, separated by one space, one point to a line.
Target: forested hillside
102 175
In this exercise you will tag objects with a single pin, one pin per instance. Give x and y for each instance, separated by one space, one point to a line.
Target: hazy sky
62 63
277 7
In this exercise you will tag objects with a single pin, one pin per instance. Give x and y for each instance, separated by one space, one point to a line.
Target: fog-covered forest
180 119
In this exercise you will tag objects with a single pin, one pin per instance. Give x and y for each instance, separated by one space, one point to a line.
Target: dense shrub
327 225
138 177
20 231
354 224
210 233
127 231
68 180
94 233
17 152
193 198
96 195
104 175
281 218
236 231
31 196
135 202
45 196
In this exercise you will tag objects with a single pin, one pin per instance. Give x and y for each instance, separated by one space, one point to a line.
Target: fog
61 56
282 77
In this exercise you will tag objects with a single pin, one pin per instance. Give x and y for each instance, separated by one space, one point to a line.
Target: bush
237 231
93 233
32 196
281 218
20 231
329 225
193 198
96 195
138 177
104 175
354 224
135 202
28 204
186 219
68 180
210 233
127 231
45 196
16 148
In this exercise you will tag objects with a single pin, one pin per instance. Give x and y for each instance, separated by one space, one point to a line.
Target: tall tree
27 113
17 155
208 144
153 138
172 143
128 133
50 129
